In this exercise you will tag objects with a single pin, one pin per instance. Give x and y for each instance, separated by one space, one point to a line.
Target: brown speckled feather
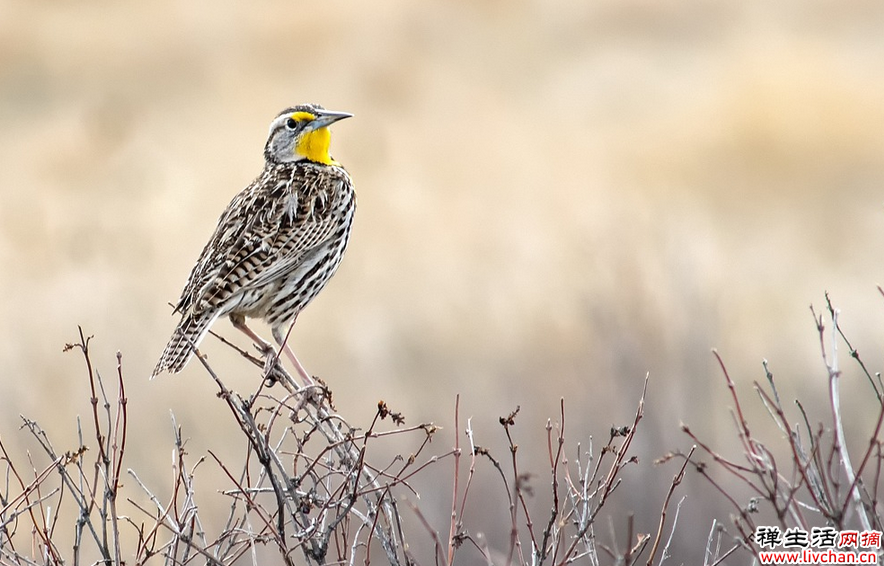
265 233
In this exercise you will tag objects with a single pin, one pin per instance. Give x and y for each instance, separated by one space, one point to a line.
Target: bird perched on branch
277 243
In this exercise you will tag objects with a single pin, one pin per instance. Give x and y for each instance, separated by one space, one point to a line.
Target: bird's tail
184 341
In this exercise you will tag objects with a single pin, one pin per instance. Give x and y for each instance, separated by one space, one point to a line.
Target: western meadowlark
276 245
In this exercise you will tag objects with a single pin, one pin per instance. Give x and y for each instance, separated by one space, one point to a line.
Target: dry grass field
555 198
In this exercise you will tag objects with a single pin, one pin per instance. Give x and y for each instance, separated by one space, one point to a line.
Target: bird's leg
282 339
239 322
271 356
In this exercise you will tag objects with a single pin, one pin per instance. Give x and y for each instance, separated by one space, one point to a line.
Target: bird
276 245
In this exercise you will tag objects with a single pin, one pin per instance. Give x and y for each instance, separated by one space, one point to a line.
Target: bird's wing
263 235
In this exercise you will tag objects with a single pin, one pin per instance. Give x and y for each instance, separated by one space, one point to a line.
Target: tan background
555 197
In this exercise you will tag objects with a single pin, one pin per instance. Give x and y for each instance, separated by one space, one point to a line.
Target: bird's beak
326 118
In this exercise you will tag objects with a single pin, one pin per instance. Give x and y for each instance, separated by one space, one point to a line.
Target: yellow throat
314 146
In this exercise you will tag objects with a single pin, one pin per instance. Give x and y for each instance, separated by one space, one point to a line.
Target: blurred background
555 198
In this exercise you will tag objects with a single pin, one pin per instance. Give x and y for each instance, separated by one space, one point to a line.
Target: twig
676 481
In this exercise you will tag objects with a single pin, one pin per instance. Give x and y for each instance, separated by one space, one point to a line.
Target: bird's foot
273 370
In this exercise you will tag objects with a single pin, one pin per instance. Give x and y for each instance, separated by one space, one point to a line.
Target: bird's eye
291 124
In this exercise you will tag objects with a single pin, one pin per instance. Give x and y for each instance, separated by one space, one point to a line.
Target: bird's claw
273 370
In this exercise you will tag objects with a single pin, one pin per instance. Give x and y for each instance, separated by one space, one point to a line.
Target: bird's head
300 133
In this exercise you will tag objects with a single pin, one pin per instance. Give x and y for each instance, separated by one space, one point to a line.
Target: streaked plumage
278 242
